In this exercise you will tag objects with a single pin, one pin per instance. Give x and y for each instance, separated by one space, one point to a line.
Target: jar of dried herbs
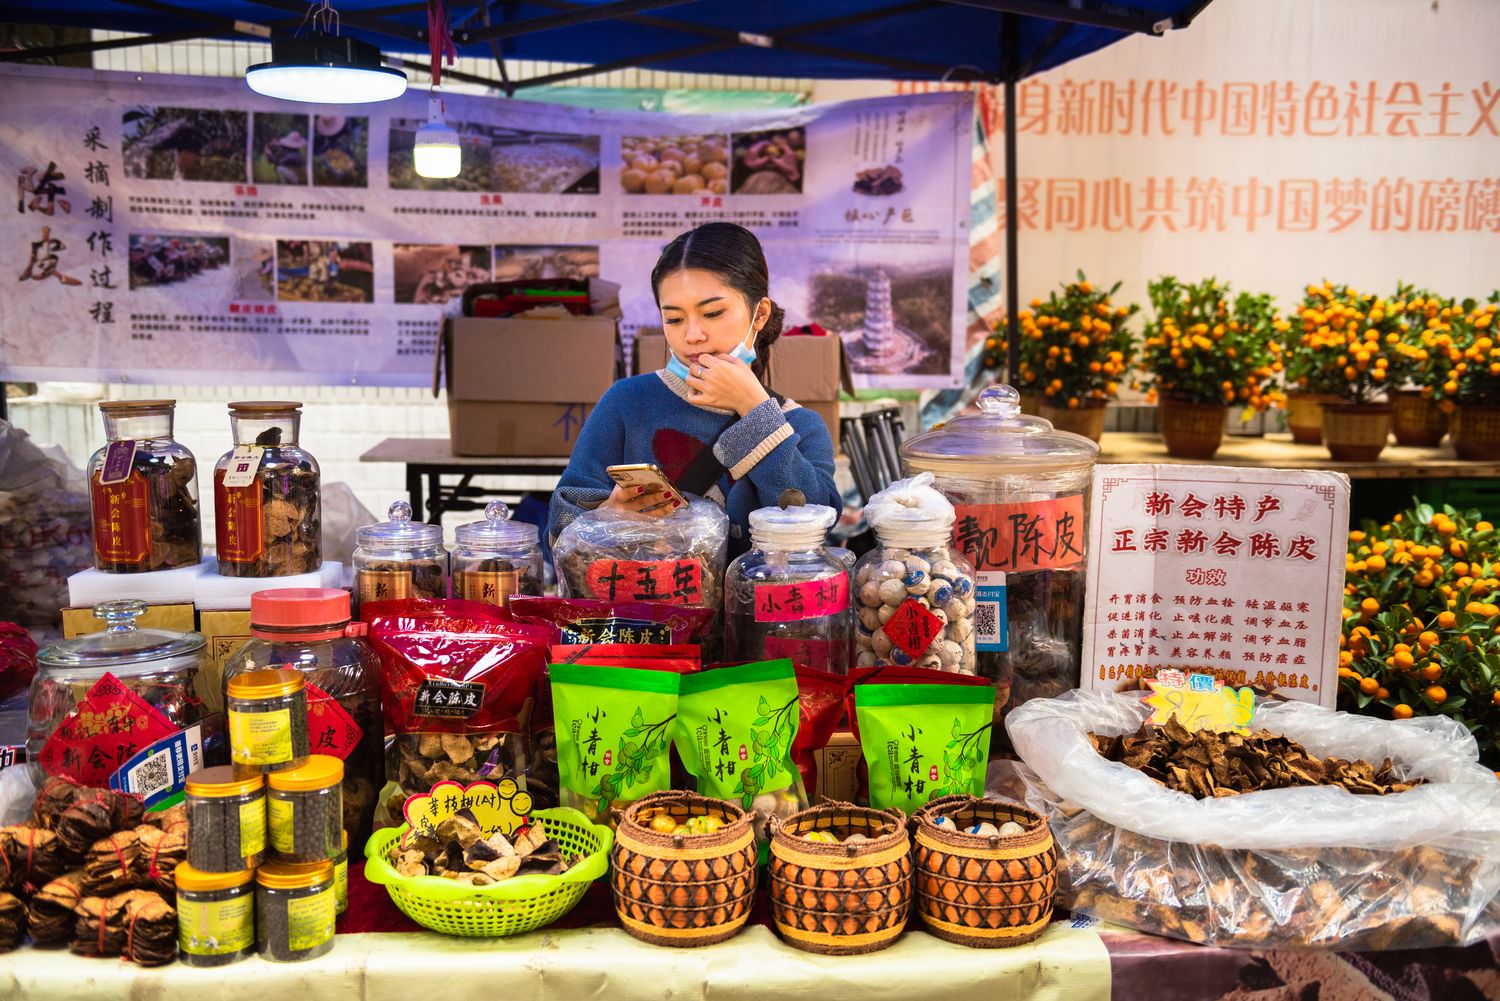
295 909
268 719
306 811
341 875
215 916
268 521
497 558
143 489
226 810
400 558
309 630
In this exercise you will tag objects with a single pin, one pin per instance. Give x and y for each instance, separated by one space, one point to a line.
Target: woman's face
704 316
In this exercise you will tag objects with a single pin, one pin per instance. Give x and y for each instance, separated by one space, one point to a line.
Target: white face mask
742 351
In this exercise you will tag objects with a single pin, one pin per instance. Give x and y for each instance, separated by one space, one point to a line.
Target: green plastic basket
510 907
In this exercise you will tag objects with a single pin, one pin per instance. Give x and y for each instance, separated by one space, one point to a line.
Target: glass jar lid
265 408
137 408
496 530
123 648
805 521
998 435
400 532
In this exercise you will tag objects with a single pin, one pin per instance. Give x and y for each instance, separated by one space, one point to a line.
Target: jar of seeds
226 811
306 811
295 911
915 594
268 719
400 558
341 875
215 916
497 558
268 522
143 488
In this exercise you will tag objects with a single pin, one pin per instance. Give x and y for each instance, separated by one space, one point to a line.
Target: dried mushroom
458 851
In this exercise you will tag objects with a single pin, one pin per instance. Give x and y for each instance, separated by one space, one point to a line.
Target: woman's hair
733 254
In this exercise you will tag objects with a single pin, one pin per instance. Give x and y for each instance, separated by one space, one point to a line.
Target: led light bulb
436 152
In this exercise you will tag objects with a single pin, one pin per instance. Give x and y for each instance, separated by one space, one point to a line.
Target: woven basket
1356 432
1087 419
986 892
683 890
1476 432
841 900
1417 420
1304 416
1191 430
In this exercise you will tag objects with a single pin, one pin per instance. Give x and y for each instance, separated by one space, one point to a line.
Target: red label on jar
809 599
675 582
330 728
1036 535
104 731
913 628
238 526
122 520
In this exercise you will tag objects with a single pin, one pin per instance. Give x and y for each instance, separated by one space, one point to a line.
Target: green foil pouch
923 741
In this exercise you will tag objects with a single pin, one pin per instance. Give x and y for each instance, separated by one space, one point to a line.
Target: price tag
913 628
119 457
1199 702
244 462
503 808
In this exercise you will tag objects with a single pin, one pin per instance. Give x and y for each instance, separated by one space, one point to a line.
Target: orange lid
223 780
306 609
289 876
190 879
268 683
319 772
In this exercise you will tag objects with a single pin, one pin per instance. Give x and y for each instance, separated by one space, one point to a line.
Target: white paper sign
1233 572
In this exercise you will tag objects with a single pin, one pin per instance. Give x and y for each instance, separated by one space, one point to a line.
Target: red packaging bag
821 706
679 658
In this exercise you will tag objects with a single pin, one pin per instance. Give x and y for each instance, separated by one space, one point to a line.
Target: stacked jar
268 520
143 491
788 596
497 558
400 558
226 810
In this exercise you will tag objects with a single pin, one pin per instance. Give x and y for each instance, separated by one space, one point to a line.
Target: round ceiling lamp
326 69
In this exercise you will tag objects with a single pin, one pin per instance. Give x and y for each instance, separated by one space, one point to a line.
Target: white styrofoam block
215 593
159 587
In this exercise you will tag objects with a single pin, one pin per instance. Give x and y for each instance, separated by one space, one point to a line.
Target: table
1397 462
432 459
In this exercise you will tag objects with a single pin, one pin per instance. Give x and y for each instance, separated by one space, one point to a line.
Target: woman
708 419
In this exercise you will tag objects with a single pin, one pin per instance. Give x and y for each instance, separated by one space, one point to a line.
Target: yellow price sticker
1199 702
503 808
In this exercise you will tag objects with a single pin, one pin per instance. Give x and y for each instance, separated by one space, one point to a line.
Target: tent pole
1010 60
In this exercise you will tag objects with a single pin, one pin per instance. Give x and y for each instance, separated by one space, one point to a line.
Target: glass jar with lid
788 595
267 511
157 665
309 630
914 594
143 491
1020 492
496 558
400 558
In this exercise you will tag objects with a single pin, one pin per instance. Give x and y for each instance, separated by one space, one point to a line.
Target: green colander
510 907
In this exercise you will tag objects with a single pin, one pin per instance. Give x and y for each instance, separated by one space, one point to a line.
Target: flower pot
1417 420
1356 432
1087 419
1031 403
1304 416
1476 432
1191 430
1253 426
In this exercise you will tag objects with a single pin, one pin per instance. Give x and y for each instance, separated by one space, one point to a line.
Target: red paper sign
675 582
810 599
330 728
1036 535
238 524
122 520
804 653
103 732
913 628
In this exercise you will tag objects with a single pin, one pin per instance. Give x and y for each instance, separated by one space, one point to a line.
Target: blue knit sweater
647 418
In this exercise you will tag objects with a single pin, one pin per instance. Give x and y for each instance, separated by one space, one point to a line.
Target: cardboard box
523 386
175 617
226 632
838 765
809 370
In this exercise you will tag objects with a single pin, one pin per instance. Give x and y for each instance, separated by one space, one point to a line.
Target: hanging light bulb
325 68
436 152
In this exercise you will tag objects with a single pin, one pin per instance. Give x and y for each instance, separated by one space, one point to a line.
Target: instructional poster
177 228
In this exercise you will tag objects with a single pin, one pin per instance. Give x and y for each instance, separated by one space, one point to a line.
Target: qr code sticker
987 622
152 775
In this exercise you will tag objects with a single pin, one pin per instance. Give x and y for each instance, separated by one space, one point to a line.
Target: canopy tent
993 41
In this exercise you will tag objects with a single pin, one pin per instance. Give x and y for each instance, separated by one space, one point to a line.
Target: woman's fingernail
640 490
677 503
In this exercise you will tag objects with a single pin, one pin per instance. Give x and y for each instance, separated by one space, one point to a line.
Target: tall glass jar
1020 492
143 489
915 597
788 596
267 512
400 558
497 558
309 630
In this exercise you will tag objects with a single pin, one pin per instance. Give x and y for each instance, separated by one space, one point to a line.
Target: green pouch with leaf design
735 727
614 731
923 741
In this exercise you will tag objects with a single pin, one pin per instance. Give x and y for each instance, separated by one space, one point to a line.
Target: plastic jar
143 491
309 630
1020 490
306 811
788 596
341 876
226 812
215 916
915 596
496 558
400 558
268 719
158 665
268 519
295 911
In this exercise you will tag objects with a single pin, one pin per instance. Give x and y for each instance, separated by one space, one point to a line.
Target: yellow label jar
215 916
226 811
268 719
295 910
306 810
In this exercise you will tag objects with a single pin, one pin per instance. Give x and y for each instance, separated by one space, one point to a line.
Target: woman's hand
636 500
725 382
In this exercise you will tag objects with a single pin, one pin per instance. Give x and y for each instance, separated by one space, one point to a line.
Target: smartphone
648 475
